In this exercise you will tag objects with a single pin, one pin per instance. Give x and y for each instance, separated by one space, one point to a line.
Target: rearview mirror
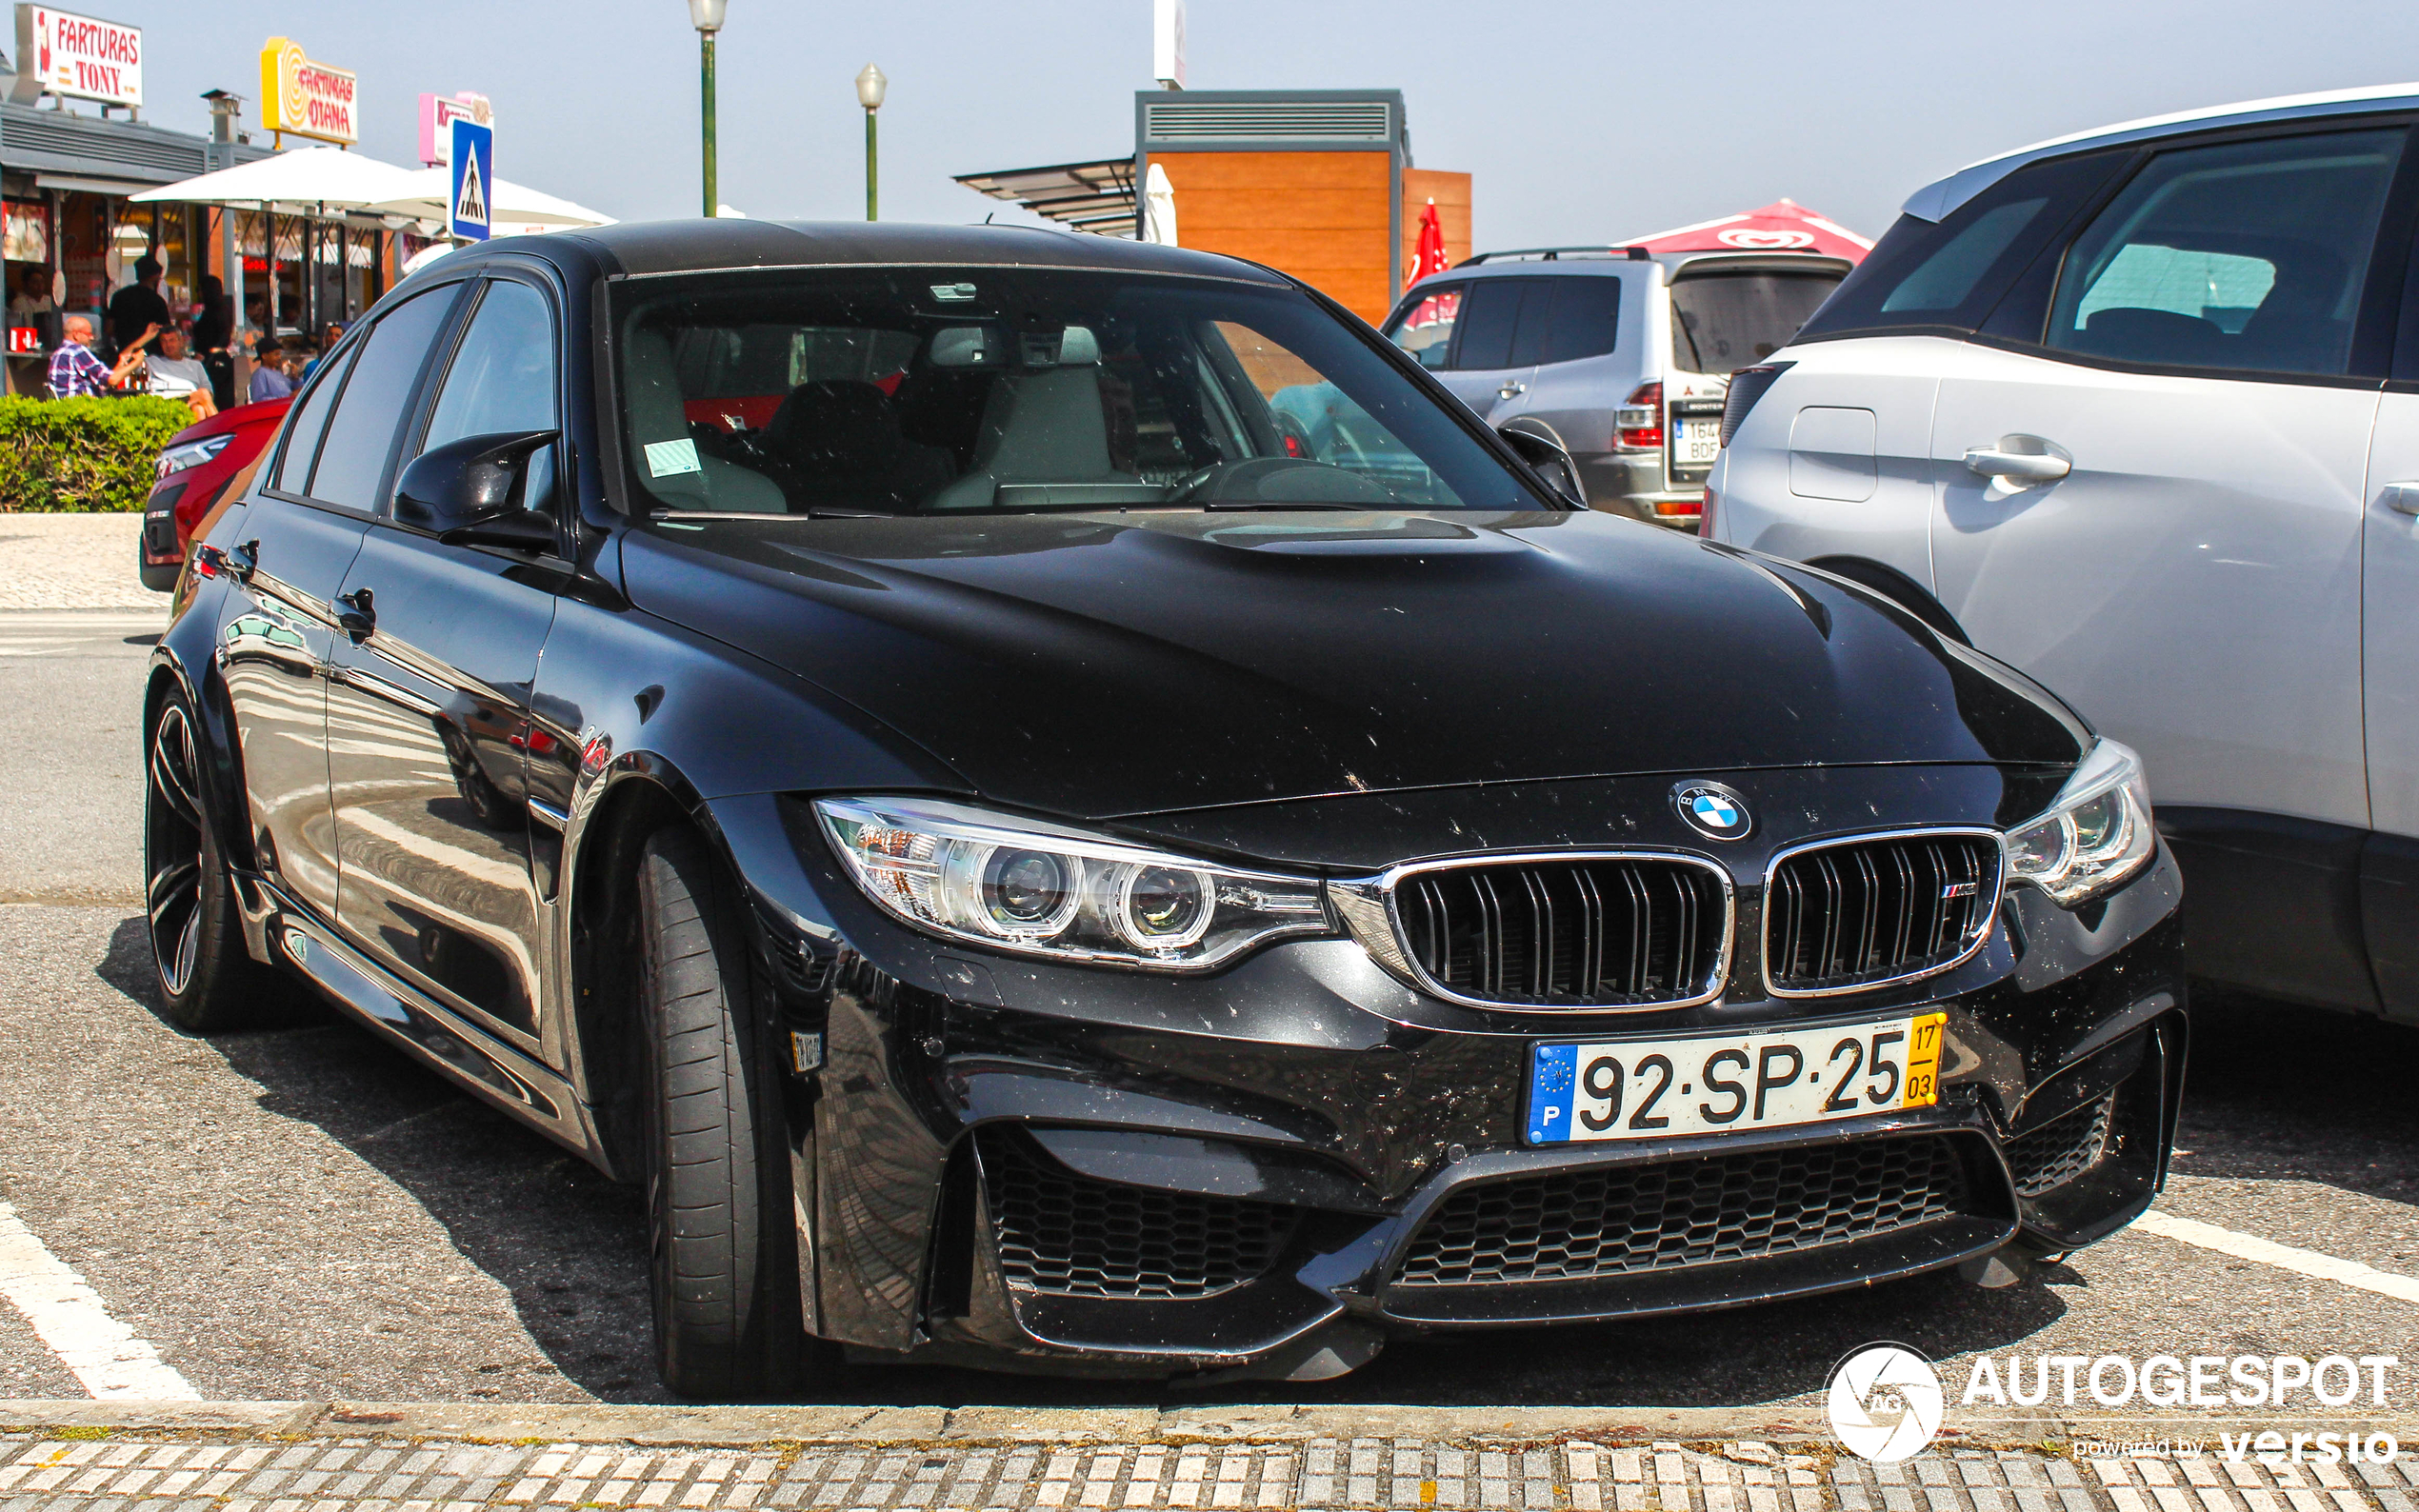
1546 457
483 491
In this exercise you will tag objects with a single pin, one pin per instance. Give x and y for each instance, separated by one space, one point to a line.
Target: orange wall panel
1324 217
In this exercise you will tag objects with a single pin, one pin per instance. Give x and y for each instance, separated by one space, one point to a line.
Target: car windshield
926 390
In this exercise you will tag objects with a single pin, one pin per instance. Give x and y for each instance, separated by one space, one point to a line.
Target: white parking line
67 1314
2284 1257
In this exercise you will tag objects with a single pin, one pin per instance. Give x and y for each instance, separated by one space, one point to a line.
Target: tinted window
1583 321
1723 321
1023 390
1425 330
1490 317
2250 255
503 375
1950 273
307 420
363 431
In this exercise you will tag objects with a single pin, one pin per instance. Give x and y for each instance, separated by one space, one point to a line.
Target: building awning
105 156
1087 196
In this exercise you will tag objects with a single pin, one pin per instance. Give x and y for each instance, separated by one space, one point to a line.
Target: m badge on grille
1712 810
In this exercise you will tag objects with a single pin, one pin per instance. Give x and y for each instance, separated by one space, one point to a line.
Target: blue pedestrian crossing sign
470 205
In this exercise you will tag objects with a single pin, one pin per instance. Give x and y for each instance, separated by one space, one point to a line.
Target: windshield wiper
1221 505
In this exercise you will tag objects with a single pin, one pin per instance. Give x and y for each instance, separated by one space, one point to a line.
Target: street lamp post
705 15
870 86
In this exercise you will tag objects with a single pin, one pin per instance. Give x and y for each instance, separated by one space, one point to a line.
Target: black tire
207 980
722 1244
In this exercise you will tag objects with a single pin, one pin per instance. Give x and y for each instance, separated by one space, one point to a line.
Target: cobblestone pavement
365 1475
73 562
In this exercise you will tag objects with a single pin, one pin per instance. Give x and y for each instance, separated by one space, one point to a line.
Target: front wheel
207 982
722 1247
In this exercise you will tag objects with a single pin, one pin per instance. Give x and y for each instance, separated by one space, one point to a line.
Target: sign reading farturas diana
88 59
303 98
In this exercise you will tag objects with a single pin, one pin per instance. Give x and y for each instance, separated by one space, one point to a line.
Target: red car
193 472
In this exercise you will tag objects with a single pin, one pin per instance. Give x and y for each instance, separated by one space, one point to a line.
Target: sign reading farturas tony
88 59
437 116
303 98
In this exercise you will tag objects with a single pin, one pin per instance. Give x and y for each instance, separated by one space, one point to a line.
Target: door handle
2402 497
1511 391
356 614
2015 462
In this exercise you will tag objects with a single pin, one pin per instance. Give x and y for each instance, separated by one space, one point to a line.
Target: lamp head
705 15
870 86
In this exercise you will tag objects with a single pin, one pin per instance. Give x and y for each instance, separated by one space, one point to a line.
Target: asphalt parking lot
300 1214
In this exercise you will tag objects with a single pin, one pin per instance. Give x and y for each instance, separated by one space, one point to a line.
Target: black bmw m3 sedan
1062 806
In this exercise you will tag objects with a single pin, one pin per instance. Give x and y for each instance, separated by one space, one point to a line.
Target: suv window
1722 321
2246 256
1512 322
307 420
362 434
1947 276
503 375
1425 330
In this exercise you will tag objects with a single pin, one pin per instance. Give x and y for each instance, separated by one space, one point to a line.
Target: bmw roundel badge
1712 810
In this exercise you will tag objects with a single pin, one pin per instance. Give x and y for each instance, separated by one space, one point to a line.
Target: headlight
2098 834
1036 888
191 455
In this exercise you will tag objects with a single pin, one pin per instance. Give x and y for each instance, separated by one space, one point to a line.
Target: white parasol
325 176
511 207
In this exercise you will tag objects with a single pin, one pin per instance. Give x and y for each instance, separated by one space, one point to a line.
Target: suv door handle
355 614
2020 467
1511 391
2402 497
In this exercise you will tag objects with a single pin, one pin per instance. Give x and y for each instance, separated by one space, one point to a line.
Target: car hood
1108 665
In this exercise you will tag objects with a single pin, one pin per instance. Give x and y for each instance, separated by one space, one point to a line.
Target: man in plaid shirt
75 373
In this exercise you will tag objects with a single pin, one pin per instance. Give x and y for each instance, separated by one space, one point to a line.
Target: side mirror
1546 457
483 491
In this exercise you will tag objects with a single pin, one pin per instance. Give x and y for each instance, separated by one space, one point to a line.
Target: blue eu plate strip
1550 1079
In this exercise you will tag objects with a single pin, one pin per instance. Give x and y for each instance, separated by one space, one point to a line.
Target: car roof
1938 199
652 247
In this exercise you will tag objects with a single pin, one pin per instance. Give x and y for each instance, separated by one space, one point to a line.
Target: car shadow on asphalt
2275 1092
569 1246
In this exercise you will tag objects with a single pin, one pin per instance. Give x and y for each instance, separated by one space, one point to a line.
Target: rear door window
2246 256
1726 321
310 417
361 435
1583 320
1425 330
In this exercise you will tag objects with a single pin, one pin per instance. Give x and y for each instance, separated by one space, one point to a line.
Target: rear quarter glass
1945 277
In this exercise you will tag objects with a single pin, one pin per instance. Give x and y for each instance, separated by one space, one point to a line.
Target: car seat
656 414
1038 428
837 441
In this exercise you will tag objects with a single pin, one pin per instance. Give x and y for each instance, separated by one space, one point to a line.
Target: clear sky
1583 120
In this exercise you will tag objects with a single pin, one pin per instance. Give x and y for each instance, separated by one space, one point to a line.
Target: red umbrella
1783 225
1430 257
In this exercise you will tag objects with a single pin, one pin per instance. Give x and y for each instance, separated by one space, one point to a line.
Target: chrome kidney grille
1840 917
1568 932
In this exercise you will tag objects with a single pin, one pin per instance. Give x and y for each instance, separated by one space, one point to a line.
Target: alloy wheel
172 851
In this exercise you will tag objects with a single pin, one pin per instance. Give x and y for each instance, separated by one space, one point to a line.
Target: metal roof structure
1096 197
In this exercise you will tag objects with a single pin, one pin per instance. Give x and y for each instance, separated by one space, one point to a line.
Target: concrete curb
1797 1422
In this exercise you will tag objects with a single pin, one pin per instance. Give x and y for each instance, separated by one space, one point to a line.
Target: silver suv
1620 357
2138 411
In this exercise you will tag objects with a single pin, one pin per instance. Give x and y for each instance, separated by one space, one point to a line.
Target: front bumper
1024 1166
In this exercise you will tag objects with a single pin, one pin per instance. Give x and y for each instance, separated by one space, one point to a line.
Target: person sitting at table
268 372
75 373
175 375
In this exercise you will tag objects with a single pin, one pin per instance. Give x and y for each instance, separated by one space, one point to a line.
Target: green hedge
83 455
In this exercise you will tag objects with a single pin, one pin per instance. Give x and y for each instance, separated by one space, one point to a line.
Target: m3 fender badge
1712 810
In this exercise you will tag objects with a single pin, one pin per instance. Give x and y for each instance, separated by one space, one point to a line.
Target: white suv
2138 411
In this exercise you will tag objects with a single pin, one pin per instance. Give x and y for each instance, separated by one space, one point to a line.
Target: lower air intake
1579 1225
2062 1149
1072 1236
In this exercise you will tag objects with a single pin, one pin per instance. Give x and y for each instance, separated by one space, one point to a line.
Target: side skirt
539 1096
